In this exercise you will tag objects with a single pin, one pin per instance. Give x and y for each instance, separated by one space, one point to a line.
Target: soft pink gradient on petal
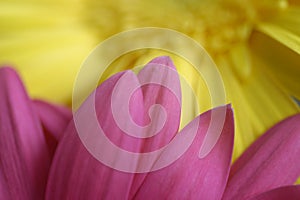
271 162
283 193
150 106
105 133
54 120
76 174
85 177
191 177
160 88
24 157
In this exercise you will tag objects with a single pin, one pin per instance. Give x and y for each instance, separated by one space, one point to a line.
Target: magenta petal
288 192
271 162
54 120
191 177
144 106
76 174
24 157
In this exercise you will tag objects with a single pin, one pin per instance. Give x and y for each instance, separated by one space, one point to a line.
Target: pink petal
24 157
191 177
76 174
287 192
271 162
147 120
54 120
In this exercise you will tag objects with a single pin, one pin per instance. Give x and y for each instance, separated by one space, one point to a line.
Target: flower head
254 44
268 168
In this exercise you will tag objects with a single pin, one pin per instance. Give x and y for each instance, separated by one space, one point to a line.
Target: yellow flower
256 46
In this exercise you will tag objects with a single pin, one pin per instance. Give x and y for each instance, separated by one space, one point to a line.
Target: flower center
221 25
218 25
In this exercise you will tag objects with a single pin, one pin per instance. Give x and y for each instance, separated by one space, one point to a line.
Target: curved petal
258 101
191 177
288 192
75 173
284 28
24 157
282 35
282 63
272 161
54 120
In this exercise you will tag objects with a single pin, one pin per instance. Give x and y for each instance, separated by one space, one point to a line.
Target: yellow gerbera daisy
256 46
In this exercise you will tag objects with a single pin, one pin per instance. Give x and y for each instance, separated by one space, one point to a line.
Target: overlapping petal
287 192
191 177
75 167
281 63
267 170
271 162
67 30
24 157
284 28
250 96
54 120
85 177
82 175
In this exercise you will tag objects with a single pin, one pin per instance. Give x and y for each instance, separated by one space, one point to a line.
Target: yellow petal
46 43
257 101
280 62
285 28
49 49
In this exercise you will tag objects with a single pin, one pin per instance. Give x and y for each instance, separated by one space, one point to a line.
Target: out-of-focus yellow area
255 46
